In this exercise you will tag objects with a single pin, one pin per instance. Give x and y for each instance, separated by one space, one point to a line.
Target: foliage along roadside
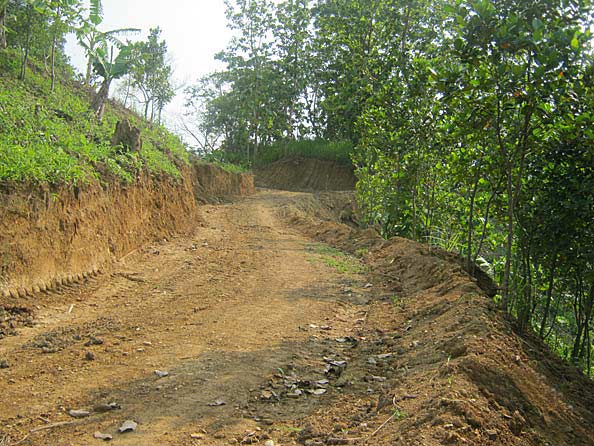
472 125
338 151
55 138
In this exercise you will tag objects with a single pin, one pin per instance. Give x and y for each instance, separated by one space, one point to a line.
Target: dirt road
234 316
259 335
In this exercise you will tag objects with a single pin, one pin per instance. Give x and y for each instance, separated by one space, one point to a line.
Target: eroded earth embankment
456 370
304 174
51 237
251 328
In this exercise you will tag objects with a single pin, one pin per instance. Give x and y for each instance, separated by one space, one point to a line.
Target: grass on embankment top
338 151
54 137
334 258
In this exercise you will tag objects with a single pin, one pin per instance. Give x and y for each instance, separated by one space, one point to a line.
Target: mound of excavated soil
456 371
306 174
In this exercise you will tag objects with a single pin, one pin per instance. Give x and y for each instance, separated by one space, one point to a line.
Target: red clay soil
305 174
214 185
55 236
269 336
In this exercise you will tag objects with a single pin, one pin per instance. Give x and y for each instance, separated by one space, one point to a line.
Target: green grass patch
336 259
232 168
226 166
53 137
338 151
289 429
361 252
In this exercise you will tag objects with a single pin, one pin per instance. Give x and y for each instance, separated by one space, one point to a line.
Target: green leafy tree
64 15
250 70
151 73
517 56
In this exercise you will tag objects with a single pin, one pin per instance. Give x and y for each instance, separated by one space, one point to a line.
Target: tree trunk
469 263
547 309
586 309
53 75
256 134
100 99
23 73
577 343
3 43
414 208
127 93
89 70
525 306
510 240
589 353
54 43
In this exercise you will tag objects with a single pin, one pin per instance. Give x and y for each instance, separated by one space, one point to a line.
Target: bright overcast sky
195 30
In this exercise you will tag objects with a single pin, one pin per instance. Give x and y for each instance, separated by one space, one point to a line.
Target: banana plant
109 69
90 37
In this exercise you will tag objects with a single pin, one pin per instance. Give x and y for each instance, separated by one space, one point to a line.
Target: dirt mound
54 237
306 174
334 218
455 370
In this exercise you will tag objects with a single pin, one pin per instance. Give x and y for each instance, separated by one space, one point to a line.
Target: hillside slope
54 137
77 194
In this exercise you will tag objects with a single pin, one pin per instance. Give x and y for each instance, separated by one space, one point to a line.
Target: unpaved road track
222 312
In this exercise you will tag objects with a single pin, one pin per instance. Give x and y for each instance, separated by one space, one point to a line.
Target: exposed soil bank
301 174
213 184
54 237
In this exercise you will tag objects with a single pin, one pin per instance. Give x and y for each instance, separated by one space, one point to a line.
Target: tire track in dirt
222 312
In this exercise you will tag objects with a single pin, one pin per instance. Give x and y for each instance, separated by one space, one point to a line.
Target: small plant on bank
334 258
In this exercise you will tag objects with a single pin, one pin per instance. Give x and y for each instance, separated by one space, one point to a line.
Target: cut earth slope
266 332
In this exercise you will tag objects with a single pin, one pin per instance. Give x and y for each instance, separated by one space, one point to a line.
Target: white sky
195 30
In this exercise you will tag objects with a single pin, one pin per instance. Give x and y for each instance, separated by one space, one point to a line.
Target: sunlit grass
54 137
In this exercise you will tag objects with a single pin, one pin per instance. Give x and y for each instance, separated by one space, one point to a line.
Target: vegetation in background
226 166
150 75
49 130
471 122
338 151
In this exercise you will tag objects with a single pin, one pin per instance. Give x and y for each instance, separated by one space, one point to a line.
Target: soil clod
128 426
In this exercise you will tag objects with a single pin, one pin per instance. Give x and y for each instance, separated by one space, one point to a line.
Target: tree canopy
471 121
